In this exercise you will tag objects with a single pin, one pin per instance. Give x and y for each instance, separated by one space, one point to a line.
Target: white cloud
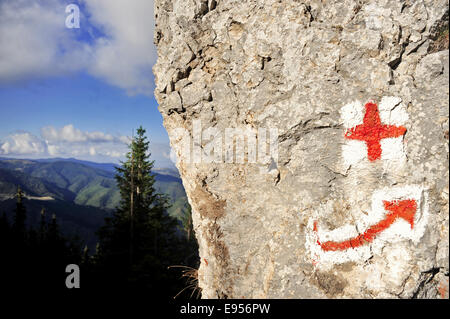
71 134
92 151
34 42
71 141
125 139
124 57
53 150
68 141
23 144
113 154
63 142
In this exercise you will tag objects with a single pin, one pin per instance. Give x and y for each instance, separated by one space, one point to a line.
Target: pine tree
186 221
33 258
4 225
53 230
20 215
85 255
136 239
55 242
42 228
4 234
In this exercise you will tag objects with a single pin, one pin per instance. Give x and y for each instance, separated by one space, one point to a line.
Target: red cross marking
372 131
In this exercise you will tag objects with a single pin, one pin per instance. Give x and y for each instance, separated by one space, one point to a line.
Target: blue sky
77 92
86 102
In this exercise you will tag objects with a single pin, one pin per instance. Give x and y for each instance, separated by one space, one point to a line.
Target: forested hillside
81 182
80 193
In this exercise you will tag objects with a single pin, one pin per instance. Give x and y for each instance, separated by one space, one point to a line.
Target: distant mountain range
80 193
109 167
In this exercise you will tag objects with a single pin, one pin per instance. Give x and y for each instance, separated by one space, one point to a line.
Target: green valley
80 193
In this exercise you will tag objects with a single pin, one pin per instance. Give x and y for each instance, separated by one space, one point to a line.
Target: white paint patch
352 114
388 272
326 259
392 112
354 152
393 150
400 230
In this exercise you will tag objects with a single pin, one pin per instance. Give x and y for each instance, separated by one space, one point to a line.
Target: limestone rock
316 211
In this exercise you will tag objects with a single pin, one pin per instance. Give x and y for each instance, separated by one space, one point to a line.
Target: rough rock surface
293 66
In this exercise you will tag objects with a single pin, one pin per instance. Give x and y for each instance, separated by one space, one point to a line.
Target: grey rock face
281 226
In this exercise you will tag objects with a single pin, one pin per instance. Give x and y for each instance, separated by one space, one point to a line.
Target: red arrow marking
372 131
405 209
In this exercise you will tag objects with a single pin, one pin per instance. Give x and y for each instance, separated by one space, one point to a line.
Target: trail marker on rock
397 213
405 209
374 132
